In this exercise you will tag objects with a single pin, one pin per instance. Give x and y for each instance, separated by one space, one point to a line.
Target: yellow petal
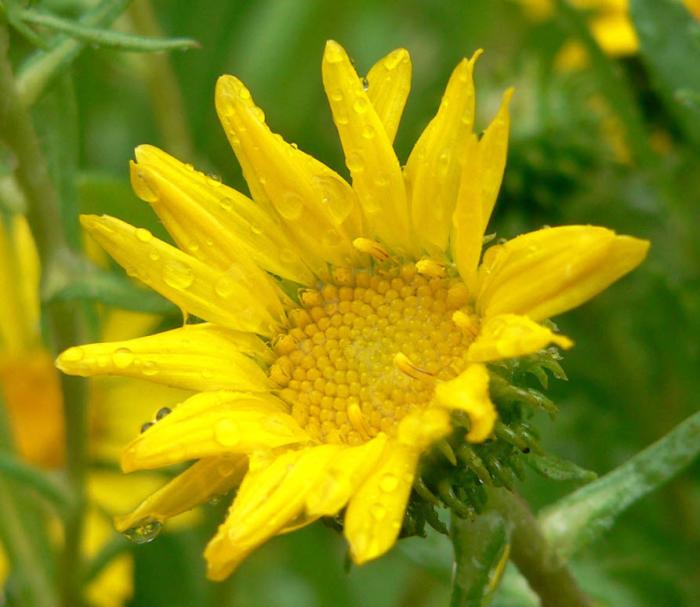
194 357
375 170
511 335
318 206
243 297
375 513
269 500
388 85
213 222
547 272
213 423
434 167
202 481
421 428
469 392
479 184
348 470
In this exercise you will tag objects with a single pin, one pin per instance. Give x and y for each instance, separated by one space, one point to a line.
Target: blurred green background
605 140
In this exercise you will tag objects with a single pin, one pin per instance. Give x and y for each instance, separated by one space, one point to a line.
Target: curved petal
547 272
202 481
469 392
434 168
375 513
213 423
375 170
318 206
270 499
479 184
388 85
213 222
243 297
194 357
511 335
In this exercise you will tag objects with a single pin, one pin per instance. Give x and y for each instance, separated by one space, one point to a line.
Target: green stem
17 130
545 572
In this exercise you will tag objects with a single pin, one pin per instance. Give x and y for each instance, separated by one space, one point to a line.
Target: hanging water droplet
143 235
177 275
365 84
388 482
144 531
227 433
146 426
290 205
122 358
163 412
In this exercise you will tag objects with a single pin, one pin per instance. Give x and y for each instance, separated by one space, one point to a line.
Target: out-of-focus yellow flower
30 388
326 401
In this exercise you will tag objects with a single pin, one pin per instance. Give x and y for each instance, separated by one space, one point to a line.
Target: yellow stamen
371 247
430 267
358 422
404 364
466 322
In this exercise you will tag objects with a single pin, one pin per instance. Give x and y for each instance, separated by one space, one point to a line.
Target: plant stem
17 130
545 572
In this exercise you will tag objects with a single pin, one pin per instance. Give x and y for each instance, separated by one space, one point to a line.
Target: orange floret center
367 349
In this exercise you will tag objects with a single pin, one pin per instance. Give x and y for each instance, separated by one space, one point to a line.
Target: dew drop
388 482
243 93
122 358
333 54
143 235
290 205
226 203
149 368
368 131
355 162
144 531
378 511
361 104
382 180
146 426
341 118
163 412
224 286
73 355
227 433
177 275
337 95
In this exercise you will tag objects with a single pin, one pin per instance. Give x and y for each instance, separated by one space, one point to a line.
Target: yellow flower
29 385
343 323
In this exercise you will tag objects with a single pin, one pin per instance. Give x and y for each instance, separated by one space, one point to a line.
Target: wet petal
243 297
270 499
388 85
550 271
469 392
348 470
318 206
194 357
375 513
375 170
434 168
423 427
202 481
479 184
511 335
213 423
211 221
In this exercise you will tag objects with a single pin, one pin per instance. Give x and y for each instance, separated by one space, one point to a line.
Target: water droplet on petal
143 235
368 131
163 412
226 203
177 275
227 433
144 531
290 205
255 229
224 286
361 104
388 482
73 355
149 368
355 162
122 358
333 54
378 511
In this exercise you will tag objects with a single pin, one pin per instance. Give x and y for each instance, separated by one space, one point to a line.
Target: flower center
367 349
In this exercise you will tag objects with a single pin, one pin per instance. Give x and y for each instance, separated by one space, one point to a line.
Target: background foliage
612 141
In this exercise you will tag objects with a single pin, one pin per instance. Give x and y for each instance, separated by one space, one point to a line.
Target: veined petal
213 423
469 392
194 357
375 513
375 170
269 500
388 85
211 221
547 272
511 335
319 207
434 167
348 470
479 184
238 298
202 481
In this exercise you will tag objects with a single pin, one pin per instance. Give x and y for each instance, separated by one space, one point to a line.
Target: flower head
343 323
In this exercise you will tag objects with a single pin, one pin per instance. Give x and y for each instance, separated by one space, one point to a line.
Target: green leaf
669 40
107 38
559 469
36 479
585 514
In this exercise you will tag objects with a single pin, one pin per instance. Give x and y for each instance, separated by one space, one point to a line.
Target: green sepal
559 469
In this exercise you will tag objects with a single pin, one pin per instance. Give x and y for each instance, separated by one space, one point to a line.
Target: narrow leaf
583 515
36 479
559 469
